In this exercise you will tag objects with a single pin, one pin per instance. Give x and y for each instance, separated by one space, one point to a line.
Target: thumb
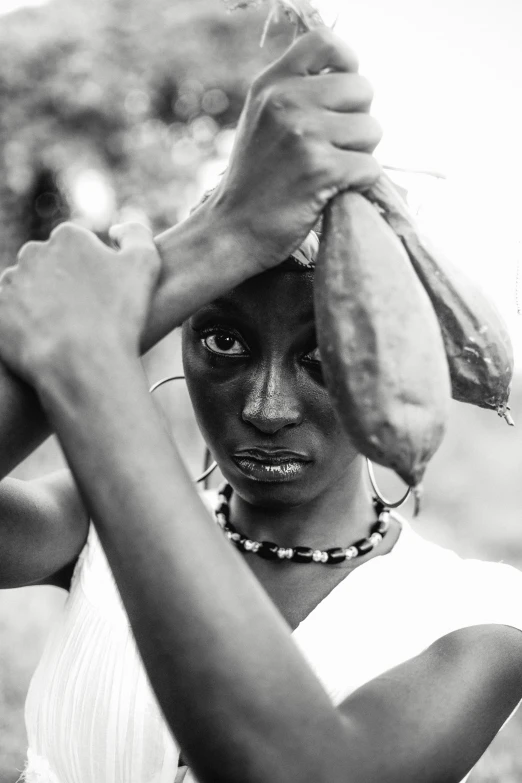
134 240
130 236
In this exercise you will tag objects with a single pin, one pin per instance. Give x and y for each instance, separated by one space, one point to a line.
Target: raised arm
239 697
302 137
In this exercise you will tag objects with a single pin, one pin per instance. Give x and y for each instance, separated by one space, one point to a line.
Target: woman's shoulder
469 591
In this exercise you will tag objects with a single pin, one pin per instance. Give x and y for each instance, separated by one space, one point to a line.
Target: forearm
235 690
187 282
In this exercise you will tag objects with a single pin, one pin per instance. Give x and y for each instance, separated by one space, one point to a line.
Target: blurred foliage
112 108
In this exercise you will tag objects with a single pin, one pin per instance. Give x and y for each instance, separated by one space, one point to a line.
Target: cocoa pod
381 347
477 343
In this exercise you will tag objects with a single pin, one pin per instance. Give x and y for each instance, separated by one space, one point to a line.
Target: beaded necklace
300 554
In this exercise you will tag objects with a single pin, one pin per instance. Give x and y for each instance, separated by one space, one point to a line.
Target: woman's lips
276 466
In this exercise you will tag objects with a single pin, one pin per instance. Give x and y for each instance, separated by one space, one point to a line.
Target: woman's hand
72 296
304 135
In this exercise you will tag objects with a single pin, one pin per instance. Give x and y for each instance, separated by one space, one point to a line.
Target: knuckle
298 132
64 232
27 252
329 44
6 277
279 100
373 131
377 131
365 89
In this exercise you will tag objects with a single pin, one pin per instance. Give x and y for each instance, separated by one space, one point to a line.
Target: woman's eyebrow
229 307
225 305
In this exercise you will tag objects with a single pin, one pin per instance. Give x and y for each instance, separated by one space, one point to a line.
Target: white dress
92 717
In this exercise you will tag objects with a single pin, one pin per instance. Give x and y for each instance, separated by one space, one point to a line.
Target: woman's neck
341 514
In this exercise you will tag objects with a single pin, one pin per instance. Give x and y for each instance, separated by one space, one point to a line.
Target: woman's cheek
214 401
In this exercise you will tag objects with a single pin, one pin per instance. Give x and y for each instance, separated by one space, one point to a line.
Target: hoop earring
208 469
385 502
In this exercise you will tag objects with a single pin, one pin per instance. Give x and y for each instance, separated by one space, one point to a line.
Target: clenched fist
305 134
71 295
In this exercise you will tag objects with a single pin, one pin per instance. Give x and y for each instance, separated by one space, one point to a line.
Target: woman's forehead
282 295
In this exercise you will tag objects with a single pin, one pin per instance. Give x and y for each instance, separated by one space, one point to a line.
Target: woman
246 699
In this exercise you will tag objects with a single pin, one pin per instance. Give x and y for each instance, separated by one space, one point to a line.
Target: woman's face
254 375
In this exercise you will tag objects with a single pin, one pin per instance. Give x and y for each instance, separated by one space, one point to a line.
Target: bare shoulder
489 655
43 527
436 714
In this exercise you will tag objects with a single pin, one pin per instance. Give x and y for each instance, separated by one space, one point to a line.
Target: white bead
221 520
229 534
351 552
317 556
289 553
384 516
255 547
248 545
324 557
281 553
376 538
235 536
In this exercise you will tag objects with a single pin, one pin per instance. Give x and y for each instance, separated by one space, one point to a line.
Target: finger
355 170
131 235
359 132
318 51
70 232
136 240
342 92
6 277
29 250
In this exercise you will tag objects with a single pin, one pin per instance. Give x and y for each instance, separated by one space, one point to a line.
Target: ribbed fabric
92 717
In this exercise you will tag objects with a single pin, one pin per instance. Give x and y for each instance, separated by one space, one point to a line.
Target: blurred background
123 109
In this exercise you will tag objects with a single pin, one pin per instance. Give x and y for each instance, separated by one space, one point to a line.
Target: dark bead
335 555
226 490
222 509
364 546
268 550
302 554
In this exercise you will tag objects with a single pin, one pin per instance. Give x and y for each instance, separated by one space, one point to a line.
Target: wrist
234 233
209 253
71 370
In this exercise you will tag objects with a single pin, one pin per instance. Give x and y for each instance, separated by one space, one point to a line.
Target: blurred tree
112 108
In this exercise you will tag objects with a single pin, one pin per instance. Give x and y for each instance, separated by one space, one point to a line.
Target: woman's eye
313 356
224 344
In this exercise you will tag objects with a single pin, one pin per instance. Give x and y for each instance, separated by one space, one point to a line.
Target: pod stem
417 493
503 412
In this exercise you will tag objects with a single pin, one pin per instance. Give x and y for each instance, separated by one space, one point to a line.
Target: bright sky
6 6
448 80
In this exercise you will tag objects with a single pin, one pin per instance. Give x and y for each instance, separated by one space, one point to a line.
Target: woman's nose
272 402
